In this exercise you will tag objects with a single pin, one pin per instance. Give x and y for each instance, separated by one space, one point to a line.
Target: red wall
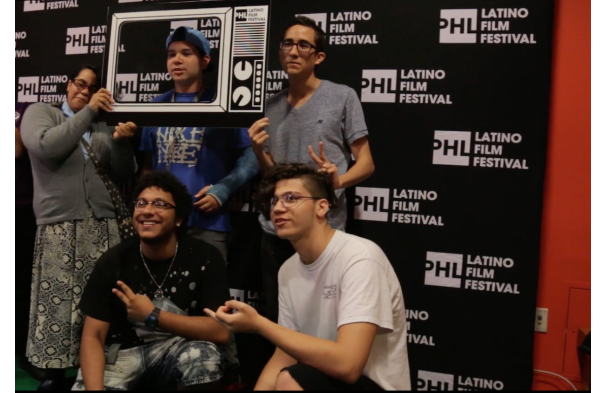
565 266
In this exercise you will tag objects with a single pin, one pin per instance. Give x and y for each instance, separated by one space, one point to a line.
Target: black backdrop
455 95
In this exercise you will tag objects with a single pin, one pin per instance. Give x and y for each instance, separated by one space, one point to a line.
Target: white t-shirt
352 281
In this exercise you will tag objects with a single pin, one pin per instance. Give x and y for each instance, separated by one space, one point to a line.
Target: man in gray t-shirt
332 115
313 121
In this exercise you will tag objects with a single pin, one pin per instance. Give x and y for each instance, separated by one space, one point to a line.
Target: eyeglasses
302 47
288 200
81 85
157 204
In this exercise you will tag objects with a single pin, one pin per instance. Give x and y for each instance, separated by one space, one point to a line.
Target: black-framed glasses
157 204
288 200
302 47
81 85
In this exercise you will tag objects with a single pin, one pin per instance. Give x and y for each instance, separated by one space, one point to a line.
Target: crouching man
144 303
341 323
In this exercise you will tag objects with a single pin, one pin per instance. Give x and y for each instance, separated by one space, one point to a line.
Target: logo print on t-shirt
330 291
187 145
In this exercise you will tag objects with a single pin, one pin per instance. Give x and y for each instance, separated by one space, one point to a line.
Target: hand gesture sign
246 318
325 165
137 306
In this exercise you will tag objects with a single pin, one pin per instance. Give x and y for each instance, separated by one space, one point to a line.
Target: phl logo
83 40
458 26
379 85
28 89
45 88
443 270
126 87
372 204
36 5
320 19
455 148
446 270
252 298
41 5
432 381
242 16
452 148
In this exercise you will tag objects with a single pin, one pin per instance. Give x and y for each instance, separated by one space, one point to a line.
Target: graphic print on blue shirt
199 156
179 145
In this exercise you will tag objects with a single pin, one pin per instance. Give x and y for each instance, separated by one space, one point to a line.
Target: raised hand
101 100
325 166
138 307
258 135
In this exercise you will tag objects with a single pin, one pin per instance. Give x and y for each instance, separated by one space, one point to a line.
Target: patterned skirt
64 256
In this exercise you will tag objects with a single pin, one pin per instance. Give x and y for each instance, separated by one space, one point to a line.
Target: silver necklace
158 294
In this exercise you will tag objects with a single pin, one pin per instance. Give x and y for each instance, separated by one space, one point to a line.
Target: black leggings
310 378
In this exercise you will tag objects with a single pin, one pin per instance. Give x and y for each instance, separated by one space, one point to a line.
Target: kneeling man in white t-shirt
341 323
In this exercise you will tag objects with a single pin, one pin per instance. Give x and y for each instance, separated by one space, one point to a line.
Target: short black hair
77 72
320 35
166 181
318 184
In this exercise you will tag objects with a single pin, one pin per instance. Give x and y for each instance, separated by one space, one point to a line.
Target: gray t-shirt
332 115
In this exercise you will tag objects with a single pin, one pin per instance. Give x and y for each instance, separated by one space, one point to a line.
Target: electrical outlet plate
540 320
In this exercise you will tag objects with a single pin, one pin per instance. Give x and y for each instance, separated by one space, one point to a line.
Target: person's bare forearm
267 379
92 362
327 356
265 161
19 148
194 328
360 171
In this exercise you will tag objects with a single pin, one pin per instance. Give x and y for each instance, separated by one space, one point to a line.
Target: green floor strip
24 382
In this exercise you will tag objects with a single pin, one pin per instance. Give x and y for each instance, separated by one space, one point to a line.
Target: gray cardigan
64 182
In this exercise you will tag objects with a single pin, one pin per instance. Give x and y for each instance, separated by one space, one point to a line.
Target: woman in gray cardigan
74 211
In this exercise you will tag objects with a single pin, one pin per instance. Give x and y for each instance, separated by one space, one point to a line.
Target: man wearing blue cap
211 162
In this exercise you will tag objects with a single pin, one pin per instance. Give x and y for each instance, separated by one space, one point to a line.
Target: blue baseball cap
194 37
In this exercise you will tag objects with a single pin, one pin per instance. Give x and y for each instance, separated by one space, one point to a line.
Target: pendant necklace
159 294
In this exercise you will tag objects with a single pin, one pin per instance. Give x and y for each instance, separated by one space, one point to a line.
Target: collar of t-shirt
185 97
68 112
313 97
326 255
153 262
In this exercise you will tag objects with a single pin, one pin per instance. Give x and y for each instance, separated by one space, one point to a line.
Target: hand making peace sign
137 306
325 165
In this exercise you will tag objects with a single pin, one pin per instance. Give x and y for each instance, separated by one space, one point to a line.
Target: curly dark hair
167 182
318 184
308 22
